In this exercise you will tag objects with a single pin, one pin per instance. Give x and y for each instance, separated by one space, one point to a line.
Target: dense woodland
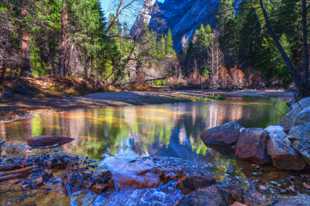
67 38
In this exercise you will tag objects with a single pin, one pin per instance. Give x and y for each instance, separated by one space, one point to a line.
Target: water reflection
171 130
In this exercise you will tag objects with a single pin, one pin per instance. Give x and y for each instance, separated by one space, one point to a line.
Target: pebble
307 186
262 187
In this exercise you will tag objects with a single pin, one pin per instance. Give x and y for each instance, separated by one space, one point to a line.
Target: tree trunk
64 43
296 75
25 45
305 44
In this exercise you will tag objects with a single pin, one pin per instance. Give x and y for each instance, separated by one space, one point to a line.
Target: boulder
303 117
224 135
210 196
300 138
281 152
252 146
289 119
299 200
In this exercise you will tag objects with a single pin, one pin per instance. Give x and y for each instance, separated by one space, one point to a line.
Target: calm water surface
171 129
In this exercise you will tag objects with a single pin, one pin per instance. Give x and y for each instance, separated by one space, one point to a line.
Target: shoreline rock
224 135
283 155
300 138
252 146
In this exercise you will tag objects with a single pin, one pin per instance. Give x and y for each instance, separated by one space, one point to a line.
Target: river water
171 130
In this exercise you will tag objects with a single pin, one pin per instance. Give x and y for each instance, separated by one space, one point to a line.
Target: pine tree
169 44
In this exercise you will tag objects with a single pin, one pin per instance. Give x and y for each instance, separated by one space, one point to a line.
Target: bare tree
25 42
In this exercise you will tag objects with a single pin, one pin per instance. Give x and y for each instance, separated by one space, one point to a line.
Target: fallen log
4 168
15 176
17 171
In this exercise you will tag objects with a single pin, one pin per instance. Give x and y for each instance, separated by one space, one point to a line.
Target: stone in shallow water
300 138
210 196
281 152
252 146
48 141
299 200
152 171
7 149
224 135
165 195
189 184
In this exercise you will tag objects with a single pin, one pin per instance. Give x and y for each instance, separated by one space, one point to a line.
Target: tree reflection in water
170 130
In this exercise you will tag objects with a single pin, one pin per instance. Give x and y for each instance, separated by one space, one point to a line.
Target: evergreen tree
169 44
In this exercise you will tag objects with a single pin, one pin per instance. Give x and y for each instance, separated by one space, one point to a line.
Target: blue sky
127 17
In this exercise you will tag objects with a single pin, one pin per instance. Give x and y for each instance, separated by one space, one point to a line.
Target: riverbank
18 106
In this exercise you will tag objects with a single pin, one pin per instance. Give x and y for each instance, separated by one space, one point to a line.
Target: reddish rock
224 135
238 204
252 146
238 77
48 141
103 181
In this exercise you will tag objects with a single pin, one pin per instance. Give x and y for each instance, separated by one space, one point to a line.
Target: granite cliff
182 17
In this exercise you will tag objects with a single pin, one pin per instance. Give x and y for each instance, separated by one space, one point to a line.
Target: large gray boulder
288 120
252 146
299 200
281 152
302 117
223 135
300 138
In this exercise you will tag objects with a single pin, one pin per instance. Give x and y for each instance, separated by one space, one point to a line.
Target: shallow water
170 130
126 133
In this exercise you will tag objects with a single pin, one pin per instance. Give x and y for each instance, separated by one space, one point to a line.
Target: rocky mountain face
143 19
182 17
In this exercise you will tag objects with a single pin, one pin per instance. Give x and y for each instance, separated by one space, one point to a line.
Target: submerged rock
48 141
102 181
281 152
164 195
299 200
210 196
7 149
300 138
252 146
224 135
192 183
150 172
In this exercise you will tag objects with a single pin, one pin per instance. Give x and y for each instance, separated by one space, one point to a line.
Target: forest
154 103
63 39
